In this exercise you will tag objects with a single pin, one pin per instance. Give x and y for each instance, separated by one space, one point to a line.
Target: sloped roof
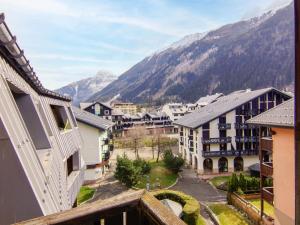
209 99
91 119
280 116
14 56
84 105
223 105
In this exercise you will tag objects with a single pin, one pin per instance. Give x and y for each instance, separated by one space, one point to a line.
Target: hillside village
225 158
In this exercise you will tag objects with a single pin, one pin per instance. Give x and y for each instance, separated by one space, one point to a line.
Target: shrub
233 183
191 207
144 166
242 182
172 162
126 172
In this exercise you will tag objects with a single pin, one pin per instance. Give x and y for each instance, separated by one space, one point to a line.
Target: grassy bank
158 174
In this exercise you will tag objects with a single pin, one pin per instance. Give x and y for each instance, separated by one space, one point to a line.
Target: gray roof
209 99
220 107
280 116
91 119
84 105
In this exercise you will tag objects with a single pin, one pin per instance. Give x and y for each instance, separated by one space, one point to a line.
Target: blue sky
67 40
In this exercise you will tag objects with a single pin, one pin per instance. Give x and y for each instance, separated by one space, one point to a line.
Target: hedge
190 206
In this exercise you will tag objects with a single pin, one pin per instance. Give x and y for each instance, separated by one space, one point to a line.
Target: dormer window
61 117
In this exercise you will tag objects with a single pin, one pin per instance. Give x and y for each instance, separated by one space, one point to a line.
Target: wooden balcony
267 169
268 194
229 153
137 208
266 144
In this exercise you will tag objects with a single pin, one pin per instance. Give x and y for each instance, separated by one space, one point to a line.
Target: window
222 119
206 147
61 117
206 126
223 147
44 119
106 112
31 118
97 109
222 133
70 165
72 117
205 134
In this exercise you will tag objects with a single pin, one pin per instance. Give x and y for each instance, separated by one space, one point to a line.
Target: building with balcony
277 160
124 107
152 122
97 143
216 138
41 168
105 111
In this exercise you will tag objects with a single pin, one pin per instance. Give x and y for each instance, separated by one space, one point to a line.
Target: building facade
125 107
97 143
152 122
216 138
41 168
277 161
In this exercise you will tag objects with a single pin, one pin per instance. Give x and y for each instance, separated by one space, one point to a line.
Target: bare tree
137 134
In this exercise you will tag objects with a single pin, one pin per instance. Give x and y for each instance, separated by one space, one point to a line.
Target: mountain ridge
235 56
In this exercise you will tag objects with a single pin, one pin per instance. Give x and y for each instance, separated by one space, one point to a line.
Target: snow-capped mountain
252 53
83 89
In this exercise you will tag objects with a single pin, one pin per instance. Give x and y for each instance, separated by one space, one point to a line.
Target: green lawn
268 208
227 215
216 181
158 170
84 194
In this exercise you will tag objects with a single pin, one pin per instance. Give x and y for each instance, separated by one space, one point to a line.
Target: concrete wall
91 144
17 199
284 176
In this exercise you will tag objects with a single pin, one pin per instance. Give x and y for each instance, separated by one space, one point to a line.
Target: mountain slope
81 90
253 54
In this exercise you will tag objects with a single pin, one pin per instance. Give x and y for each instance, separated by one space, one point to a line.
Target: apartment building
277 160
206 100
216 138
97 143
152 122
105 111
174 110
125 107
41 168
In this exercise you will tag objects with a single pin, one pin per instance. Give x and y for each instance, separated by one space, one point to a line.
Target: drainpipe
297 111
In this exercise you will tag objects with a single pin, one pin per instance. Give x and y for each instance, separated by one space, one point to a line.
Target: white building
174 110
206 100
216 138
41 169
96 135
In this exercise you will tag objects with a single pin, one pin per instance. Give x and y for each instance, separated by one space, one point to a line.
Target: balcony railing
219 140
243 126
268 194
229 153
246 139
224 126
266 144
267 169
135 208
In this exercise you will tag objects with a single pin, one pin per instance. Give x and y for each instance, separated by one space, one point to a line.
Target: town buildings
204 101
97 143
174 110
152 122
277 160
105 111
124 107
41 168
216 139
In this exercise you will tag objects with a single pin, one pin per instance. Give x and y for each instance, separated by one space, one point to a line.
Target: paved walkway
199 189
